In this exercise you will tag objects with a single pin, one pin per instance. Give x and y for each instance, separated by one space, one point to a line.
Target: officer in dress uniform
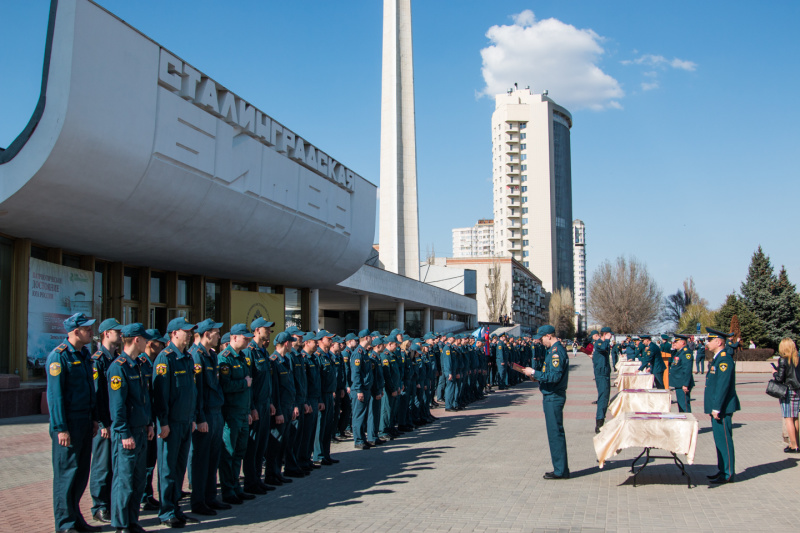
285 409
652 359
345 428
721 401
258 436
207 440
321 448
338 425
553 380
377 392
390 369
73 422
293 467
501 357
602 373
131 428
680 373
236 382
360 391
102 470
147 358
174 398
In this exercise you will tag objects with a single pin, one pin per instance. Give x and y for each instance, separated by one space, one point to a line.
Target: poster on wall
55 293
247 306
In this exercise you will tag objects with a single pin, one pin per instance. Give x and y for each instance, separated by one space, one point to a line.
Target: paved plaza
481 470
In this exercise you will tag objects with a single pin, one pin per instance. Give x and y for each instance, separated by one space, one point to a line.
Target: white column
313 309
363 313
401 315
399 219
426 321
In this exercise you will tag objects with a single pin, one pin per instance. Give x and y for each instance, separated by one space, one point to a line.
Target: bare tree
623 296
431 255
562 313
496 293
676 304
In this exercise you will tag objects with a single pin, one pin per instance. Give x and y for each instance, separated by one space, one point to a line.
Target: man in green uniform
652 359
235 379
102 469
721 401
602 373
174 397
261 370
207 440
73 422
131 428
680 373
553 380
147 359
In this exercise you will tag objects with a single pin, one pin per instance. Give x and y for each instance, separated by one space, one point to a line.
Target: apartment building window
524 198
525 220
525 264
524 232
523 146
525 243
524 210
524 167
523 177
525 253
523 157
523 125
524 188
523 135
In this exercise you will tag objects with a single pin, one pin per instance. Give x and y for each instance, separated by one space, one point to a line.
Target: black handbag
777 390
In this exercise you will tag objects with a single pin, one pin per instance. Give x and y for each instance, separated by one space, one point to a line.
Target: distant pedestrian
789 374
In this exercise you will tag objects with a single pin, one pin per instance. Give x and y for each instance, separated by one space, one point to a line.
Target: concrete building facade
579 267
532 185
525 298
144 190
475 241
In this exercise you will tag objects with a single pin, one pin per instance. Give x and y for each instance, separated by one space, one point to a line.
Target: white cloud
649 86
662 62
549 54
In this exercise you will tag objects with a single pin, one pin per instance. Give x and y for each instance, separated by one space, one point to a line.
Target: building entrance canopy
134 155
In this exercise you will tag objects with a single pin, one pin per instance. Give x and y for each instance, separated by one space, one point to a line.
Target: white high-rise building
532 185
476 241
579 268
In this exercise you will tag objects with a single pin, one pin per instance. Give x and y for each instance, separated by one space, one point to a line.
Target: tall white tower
579 268
532 185
399 219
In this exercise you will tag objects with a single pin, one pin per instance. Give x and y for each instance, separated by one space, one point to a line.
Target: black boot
598 425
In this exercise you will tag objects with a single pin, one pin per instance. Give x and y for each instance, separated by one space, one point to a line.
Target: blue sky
685 114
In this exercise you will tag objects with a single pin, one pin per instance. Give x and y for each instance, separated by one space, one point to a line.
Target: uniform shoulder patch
115 383
61 347
357 361
555 362
161 369
225 369
248 360
97 355
95 374
55 368
273 357
723 367
385 362
121 360
198 368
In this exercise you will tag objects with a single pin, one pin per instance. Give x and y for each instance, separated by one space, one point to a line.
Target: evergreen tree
759 296
785 321
750 325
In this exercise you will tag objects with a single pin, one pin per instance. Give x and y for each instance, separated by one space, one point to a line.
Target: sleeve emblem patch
116 383
95 373
723 367
161 369
198 368
55 369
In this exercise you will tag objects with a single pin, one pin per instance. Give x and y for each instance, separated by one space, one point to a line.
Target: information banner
247 306
55 293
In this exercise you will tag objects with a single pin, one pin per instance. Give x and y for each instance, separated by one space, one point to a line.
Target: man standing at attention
553 380
73 424
721 401
602 373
